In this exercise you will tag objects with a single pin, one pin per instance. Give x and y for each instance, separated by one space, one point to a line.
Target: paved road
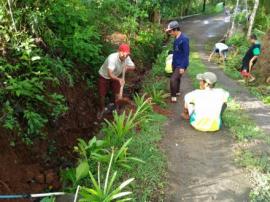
201 165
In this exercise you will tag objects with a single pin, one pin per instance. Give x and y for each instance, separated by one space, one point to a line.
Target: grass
239 123
196 66
150 176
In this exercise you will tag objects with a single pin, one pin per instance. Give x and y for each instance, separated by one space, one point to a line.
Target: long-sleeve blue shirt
181 52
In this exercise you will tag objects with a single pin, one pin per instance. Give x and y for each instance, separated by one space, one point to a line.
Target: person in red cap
110 72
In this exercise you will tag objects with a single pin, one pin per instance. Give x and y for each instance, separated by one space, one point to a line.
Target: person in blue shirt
180 60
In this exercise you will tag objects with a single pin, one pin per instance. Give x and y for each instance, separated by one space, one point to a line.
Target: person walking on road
180 60
110 72
250 58
204 107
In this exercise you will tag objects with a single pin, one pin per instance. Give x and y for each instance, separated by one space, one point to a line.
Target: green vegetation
129 148
104 191
45 45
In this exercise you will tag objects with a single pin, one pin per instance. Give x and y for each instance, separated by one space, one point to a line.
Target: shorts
223 52
104 85
245 65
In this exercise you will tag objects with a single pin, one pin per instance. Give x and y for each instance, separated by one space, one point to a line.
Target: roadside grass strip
150 176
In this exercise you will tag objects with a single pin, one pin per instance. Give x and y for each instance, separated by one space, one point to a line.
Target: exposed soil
201 165
33 169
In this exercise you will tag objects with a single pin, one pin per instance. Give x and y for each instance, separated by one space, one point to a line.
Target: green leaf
82 170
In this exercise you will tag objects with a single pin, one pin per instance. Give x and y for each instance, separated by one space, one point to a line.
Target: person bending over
221 49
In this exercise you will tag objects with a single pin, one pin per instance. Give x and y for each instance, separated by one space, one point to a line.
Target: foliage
143 103
123 124
48 199
260 162
148 43
158 67
53 43
261 190
195 61
151 175
74 35
262 19
87 150
93 153
108 191
24 94
240 124
157 96
241 18
120 127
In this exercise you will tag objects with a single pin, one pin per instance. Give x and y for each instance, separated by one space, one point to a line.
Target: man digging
109 75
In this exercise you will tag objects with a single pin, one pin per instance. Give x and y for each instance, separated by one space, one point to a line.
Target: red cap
124 48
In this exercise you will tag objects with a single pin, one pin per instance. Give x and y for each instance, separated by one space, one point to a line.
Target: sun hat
172 25
124 48
209 77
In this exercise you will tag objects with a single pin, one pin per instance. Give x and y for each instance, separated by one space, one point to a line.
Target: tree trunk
204 3
156 16
252 17
231 31
246 5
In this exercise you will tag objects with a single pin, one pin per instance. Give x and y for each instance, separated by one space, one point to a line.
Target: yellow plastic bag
168 67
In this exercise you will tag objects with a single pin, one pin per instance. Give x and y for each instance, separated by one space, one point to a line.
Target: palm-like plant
124 123
157 96
105 192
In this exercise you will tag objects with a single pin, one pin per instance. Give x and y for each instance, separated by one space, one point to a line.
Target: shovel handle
122 86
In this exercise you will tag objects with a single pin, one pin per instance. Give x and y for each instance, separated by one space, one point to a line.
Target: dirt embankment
32 169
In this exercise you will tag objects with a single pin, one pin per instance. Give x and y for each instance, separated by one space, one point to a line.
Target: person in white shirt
110 72
221 49
204 107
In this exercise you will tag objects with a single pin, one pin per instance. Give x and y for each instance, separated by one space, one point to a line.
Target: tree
252 17
231 31
204 3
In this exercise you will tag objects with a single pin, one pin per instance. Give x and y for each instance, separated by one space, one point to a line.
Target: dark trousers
175 82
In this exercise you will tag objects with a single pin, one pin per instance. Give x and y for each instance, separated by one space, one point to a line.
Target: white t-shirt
221 46
205 107
114 63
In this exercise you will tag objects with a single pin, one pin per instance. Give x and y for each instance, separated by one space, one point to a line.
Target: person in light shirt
110 74
221 49
204 107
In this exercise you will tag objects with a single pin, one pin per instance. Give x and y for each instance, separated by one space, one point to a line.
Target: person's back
221 46
207 108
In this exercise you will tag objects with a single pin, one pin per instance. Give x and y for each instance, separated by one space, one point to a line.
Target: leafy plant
143 103
86 150
157 96
121 125
68 178
108 191
48 199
